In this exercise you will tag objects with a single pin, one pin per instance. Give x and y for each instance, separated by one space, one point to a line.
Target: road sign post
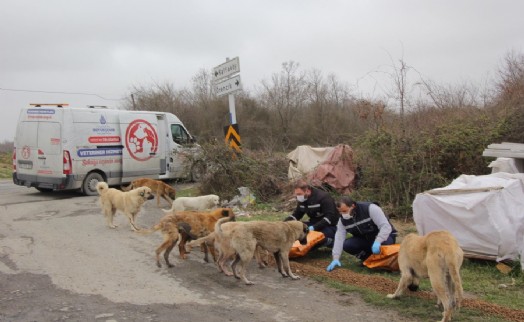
232 110
227 82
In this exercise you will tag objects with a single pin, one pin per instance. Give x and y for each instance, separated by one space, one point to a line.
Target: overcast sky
105 47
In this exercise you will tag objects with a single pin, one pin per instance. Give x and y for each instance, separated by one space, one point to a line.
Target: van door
49 161
140 155
39 150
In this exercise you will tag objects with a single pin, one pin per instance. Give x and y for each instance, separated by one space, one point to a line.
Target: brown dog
200 223
129 202
171 230
159 188
242 238
437 256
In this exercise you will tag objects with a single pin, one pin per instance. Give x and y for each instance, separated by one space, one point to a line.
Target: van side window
179 134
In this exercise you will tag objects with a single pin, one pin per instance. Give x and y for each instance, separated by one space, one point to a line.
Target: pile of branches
263 173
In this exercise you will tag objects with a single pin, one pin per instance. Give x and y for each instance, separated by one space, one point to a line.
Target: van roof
171 117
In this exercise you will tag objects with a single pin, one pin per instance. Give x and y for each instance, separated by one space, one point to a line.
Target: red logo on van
141 140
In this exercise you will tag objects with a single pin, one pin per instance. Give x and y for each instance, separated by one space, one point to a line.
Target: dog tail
184 227
206 239
102 187
168 210
454 281
150 230
230 217
128 188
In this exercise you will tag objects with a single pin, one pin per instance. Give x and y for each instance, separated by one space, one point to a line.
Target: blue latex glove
334 263
311 228
375 248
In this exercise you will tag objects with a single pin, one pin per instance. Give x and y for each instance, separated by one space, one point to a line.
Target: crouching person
320 207
367 224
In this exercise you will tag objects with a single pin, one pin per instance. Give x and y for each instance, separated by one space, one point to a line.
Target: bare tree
158 97
318 103
511 77
202 93
286 94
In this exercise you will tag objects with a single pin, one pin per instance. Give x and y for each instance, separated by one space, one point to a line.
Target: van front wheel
89 185
197 171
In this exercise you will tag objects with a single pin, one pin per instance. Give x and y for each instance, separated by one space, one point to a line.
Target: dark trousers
329 232
361 247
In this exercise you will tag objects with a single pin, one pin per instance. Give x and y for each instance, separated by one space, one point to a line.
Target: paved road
59 262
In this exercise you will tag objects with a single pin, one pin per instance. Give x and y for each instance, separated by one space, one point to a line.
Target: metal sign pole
232 112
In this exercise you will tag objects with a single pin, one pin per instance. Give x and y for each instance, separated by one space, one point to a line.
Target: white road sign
226 69
228 86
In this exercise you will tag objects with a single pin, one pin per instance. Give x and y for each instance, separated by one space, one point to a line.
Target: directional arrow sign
232 138
227 86
226 69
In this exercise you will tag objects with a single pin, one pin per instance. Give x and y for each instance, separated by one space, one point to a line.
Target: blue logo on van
86 153
102 119
40 111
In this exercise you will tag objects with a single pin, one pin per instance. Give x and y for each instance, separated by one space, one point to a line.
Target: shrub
263 173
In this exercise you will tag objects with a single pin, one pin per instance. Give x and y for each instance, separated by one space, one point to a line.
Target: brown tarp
335 168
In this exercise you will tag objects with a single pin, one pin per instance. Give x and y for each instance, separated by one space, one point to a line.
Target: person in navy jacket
319 206
369 228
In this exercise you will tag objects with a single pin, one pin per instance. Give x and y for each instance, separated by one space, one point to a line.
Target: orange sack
387 259
313 238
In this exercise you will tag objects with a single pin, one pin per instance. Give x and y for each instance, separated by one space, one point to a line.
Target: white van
62 148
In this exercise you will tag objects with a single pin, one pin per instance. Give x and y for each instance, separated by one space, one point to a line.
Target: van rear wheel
90 182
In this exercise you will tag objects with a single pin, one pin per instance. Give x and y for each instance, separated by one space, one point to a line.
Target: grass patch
484 280
187 192
409 307
6 165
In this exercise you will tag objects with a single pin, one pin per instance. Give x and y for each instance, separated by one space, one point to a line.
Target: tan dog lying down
159 188
242 239
438 256
195 203
128 203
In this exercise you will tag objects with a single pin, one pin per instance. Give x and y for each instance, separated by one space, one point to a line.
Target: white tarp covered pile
485 214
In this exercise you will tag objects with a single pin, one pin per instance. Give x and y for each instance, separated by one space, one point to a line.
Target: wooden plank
480 256
461 191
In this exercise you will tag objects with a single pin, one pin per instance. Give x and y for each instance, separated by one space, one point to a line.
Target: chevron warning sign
232 137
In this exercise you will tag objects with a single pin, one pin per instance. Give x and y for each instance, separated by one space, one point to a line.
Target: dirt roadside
59 262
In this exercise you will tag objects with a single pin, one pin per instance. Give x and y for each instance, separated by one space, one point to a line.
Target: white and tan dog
129 202
198 203
437 256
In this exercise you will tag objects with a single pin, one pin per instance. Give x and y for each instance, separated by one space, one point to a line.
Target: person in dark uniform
369 228
320 207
